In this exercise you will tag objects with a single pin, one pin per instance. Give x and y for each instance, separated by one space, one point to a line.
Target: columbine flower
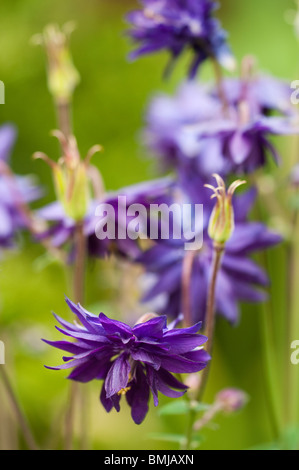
132 361
15 192
239 278
176 25
190 129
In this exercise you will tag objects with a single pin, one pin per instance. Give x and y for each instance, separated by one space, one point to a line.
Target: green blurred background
108 109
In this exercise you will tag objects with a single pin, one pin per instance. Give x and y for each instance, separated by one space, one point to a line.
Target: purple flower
132 361
62 228
191 130
239 279
176 25
15 192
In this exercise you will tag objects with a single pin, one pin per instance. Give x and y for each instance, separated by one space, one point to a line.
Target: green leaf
168 437
177 407
200 406
182 407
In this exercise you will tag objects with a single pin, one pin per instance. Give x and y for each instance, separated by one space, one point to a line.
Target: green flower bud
222 220
63 77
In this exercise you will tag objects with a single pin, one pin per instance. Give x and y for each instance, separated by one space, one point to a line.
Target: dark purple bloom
132 361
176 25
191 130
15 192
239 279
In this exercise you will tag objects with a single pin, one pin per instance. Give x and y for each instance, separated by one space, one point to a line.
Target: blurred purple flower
176 25
191 130
239 279
15 192
132 361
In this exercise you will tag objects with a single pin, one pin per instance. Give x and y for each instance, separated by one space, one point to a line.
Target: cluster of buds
63 77
72 177
222 220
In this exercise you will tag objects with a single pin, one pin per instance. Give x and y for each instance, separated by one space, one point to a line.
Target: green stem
186 280
78 292
64 118
292 325
271 382
17 410
210 315
210 327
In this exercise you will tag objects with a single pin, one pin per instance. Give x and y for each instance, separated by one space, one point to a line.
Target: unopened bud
63 77
222 220
231 399
71 177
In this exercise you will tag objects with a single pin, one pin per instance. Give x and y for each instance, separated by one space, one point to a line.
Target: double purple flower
132 361
176 25
239 278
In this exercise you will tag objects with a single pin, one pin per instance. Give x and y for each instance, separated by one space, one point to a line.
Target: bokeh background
109 109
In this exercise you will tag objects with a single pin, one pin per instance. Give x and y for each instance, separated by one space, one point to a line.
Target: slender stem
210 314
272 385
220 87
80 260
69 419
78 291
270 382
64 118
17 410
186 281
292 324
210 327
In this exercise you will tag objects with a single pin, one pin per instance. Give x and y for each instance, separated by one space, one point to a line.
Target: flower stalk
28 436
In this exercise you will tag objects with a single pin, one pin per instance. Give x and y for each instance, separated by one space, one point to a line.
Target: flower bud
71 177
222 220
231 399
63 77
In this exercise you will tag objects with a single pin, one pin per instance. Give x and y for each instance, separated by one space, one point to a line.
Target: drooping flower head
132 361
176 25
15 192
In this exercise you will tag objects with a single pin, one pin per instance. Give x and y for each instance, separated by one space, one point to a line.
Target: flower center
123 391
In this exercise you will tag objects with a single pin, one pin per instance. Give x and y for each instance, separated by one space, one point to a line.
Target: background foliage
108 109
